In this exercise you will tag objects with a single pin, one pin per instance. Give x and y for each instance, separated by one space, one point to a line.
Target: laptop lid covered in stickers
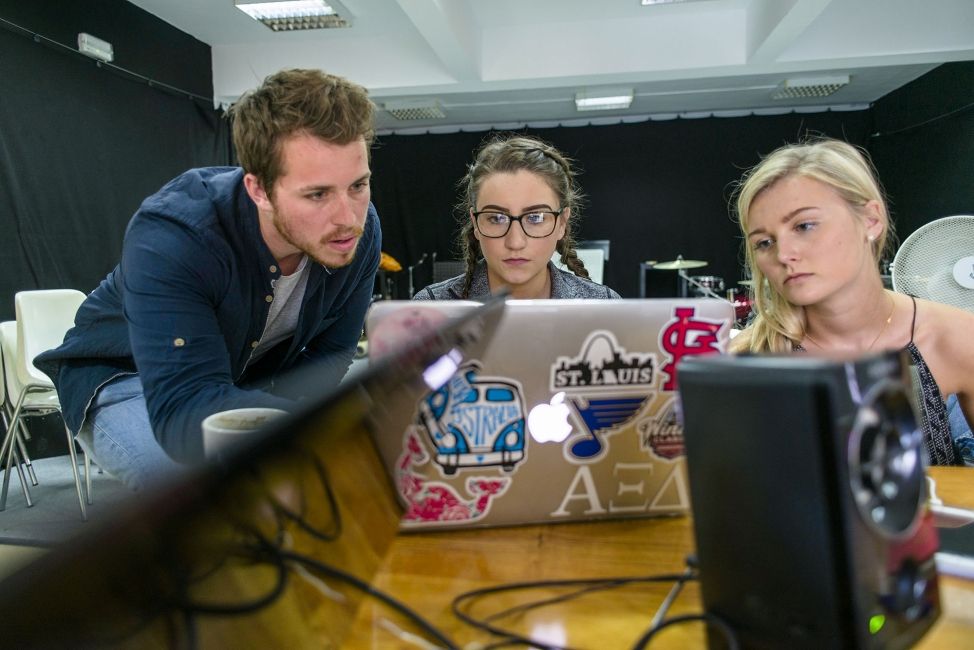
569 413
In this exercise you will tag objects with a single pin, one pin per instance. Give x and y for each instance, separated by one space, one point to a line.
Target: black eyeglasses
537 223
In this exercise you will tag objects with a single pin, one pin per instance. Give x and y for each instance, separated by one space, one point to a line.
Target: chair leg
8 438
26 460
23 481
9 459
15 424
6 459
20 475
20 428
77 477
87 475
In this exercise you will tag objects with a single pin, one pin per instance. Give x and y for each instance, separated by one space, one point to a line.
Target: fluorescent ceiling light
606 100
663 2
290 15
805 87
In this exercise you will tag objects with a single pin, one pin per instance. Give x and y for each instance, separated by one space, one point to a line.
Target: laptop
569 413
198 559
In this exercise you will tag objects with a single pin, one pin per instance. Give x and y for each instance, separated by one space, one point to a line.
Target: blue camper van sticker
475 421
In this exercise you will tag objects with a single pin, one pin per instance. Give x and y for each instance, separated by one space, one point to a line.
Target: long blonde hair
778 325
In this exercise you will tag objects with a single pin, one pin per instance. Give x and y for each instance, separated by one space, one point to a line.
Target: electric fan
936 262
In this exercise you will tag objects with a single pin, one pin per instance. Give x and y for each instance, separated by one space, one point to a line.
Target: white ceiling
509 62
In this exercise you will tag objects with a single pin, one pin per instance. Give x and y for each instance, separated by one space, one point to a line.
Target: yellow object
389 263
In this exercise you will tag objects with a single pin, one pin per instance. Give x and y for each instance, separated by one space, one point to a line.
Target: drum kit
708 286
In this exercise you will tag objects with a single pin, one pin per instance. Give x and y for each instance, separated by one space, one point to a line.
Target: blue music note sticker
600 415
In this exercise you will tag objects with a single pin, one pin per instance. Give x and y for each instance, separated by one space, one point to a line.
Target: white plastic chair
8 351
43 317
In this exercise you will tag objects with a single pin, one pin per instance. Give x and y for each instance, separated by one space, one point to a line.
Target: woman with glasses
815 226
519 203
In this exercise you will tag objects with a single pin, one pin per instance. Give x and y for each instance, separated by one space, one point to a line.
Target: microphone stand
409 271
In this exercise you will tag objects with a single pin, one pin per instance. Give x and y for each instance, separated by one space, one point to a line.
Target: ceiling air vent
415 109
806 87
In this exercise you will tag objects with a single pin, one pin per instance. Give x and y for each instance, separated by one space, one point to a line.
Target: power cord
587 586
333 572
710 619
260 555
272 547
323 534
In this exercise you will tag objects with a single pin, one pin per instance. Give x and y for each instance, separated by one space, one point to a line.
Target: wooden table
428 570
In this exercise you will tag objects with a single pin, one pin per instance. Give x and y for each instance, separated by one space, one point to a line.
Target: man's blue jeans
118 437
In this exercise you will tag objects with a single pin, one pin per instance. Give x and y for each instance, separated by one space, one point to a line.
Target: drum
741 300
700 284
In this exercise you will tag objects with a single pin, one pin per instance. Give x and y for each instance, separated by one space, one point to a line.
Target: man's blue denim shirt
188 302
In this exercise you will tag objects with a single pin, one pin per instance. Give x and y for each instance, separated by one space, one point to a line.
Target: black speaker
807 489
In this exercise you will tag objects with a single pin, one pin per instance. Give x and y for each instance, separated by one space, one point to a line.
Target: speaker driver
886 461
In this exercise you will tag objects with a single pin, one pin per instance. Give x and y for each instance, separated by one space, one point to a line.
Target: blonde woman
815 225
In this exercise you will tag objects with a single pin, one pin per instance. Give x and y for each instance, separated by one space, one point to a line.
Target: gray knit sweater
564 284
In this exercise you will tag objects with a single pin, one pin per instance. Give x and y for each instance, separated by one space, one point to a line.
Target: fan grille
924 264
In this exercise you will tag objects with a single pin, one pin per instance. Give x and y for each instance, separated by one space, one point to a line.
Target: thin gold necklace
889 319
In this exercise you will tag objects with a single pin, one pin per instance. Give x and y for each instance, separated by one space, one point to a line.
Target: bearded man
231 279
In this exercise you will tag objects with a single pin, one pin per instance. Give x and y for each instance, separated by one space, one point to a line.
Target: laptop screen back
269 543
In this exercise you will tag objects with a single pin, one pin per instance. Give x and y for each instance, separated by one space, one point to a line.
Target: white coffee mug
226 428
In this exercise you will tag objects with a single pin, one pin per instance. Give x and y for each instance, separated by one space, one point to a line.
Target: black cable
935 118
513 643
189 623
259 549
263 553
152 83
325 535
671 597
589 585
525 607
368 589
710 619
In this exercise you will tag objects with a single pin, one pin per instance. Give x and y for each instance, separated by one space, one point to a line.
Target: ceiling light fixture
663 2
604 100
290 15
806 87
415 109
95 47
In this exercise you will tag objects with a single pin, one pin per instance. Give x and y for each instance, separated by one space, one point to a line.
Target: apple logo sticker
549 422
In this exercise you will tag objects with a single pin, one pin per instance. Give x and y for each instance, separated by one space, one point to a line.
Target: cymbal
389 263
679 264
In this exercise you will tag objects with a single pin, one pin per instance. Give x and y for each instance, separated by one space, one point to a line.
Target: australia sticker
475 422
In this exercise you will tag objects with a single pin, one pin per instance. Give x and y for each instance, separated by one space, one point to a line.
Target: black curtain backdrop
81 145
655 189
923 146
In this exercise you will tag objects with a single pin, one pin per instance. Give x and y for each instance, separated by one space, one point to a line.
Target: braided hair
508 153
